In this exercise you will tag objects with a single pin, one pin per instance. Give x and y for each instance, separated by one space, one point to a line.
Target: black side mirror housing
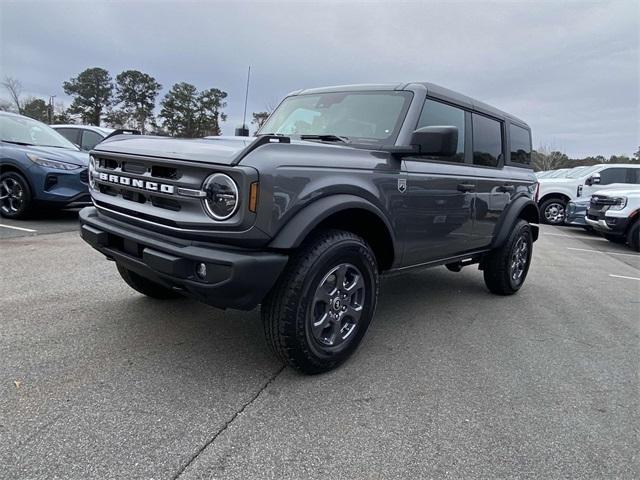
593 180
436 141
429 141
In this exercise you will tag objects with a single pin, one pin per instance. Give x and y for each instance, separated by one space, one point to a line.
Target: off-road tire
633 236
145 286
287 310
14 178
497 266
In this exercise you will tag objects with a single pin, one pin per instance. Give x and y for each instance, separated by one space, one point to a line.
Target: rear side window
436 114
487 141
520 139
70 134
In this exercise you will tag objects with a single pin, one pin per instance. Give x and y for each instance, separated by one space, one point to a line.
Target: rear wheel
323 303
553 211
506 268
15 196
633 236
146 286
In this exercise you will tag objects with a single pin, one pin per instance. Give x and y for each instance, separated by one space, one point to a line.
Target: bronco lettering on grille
136 183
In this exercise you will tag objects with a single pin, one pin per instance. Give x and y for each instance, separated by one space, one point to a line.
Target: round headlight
92 169
221 201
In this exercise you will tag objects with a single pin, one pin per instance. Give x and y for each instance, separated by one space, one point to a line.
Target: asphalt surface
450 382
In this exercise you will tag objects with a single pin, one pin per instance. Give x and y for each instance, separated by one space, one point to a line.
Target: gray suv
341 185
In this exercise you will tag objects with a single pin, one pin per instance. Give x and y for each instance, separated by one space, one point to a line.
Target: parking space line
577 237
622 276
18 228
607 253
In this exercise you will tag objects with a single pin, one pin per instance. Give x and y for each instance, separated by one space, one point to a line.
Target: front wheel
553 211
506 268
319 310
15 196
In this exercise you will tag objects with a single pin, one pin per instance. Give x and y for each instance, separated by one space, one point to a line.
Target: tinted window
436 114
520 144
90 139
615 175
487 141
70 134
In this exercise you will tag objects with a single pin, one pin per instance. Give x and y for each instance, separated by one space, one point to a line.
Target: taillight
579 191
536 192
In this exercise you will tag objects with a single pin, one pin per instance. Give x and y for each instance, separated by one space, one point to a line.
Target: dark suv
341 185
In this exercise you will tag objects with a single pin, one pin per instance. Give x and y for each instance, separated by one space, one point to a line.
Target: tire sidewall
345 251
546 205
522 228
27 195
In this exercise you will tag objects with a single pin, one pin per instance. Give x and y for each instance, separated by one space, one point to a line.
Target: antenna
246 98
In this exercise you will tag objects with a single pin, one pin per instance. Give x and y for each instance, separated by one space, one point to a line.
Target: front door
435 221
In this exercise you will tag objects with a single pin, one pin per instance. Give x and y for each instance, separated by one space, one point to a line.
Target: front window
360 117
26 131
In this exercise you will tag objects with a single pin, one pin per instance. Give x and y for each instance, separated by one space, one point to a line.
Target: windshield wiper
326 138
19 143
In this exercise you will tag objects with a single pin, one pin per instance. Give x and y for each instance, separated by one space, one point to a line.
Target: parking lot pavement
450 382
41 223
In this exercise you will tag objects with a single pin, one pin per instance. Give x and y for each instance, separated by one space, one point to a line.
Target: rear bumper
235 278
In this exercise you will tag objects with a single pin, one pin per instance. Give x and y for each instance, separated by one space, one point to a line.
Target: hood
551 181
624 190
60 154
220 150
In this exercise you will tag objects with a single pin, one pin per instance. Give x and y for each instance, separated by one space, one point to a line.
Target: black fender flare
310 216
522 207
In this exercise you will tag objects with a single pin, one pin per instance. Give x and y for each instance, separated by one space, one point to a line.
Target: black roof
433 90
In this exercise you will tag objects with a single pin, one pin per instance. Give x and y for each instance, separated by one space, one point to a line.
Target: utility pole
50 109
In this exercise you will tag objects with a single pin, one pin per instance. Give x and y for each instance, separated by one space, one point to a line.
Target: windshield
559 173
360 117
23 130
582 172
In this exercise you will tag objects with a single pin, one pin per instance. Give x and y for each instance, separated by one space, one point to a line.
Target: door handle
466 187
507 188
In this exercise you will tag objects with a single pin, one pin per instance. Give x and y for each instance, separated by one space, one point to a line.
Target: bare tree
14 87
546 159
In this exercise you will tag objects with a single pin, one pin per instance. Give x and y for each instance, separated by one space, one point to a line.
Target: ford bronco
340 186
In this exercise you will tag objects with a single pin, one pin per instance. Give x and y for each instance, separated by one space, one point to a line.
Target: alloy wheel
554 213
519 259
337 305
11 196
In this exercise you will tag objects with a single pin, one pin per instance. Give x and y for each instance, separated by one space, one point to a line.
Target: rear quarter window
520 139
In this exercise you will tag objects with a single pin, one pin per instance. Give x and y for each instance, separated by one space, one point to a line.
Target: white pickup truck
555 193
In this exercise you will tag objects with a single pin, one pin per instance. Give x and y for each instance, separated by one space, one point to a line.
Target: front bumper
575 215
235 278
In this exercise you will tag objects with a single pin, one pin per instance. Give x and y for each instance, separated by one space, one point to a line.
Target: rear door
493 190
436 220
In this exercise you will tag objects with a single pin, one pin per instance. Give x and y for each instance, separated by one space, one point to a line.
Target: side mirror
436 141
593 179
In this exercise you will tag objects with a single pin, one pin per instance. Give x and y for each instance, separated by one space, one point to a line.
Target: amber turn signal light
253 197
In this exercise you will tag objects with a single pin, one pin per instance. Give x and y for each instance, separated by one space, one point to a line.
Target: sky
569 69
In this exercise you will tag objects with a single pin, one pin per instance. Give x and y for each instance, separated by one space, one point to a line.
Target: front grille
147 188
84 176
